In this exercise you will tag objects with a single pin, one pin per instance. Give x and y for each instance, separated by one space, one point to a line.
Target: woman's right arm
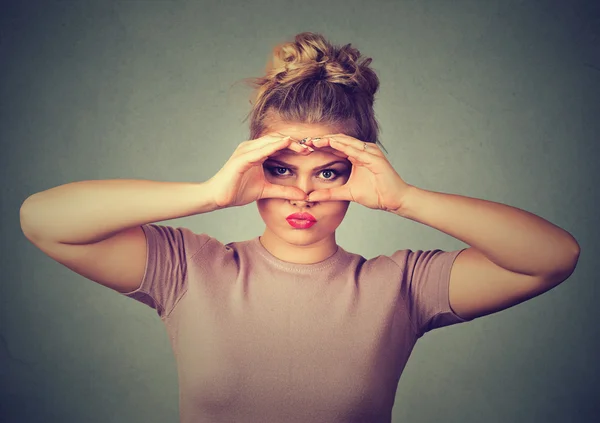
86 212
94 227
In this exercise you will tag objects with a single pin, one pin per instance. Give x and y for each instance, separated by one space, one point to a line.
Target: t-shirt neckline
286 265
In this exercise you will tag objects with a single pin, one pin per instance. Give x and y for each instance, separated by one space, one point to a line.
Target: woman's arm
514 255
85 212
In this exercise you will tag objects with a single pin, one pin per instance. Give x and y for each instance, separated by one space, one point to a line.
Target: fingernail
306 147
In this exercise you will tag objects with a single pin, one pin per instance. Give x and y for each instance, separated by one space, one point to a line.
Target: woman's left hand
373 181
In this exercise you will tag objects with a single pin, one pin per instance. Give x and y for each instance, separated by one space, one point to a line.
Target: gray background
497 100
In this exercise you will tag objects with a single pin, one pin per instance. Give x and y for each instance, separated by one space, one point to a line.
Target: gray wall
490 99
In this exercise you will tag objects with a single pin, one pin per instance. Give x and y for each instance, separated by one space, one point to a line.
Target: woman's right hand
242 179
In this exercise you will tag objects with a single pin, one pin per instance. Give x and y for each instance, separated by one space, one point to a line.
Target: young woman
289 326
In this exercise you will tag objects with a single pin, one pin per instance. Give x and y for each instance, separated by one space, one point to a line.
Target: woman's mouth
300 223
301 220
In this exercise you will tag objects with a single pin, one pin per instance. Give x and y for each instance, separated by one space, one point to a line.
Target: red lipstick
301 220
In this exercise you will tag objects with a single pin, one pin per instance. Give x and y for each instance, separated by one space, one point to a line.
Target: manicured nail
306 147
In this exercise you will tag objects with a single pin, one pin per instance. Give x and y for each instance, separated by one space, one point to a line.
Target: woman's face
306 172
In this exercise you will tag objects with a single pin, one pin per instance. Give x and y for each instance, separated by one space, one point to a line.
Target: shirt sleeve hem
144 282
446 307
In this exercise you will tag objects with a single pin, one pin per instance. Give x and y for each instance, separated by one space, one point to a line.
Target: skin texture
513 256
317 243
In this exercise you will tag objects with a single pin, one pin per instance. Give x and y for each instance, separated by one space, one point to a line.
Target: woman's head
311 88
311 81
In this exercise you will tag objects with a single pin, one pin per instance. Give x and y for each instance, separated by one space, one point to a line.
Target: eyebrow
284 164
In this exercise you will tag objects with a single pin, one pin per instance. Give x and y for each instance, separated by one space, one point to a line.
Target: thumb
280 191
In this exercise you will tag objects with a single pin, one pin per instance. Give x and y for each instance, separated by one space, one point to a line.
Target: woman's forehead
314 159
299 130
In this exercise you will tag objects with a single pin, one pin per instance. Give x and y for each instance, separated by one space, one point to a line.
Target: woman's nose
307 187
302 203
305 184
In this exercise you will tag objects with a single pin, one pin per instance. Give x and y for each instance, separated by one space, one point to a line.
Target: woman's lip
301 223
302 216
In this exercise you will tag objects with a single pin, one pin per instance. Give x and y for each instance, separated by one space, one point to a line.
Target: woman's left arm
514 255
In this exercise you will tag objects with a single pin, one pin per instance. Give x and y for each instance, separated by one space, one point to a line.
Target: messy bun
309 80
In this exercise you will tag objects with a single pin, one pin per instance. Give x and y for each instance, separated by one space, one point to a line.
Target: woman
289 326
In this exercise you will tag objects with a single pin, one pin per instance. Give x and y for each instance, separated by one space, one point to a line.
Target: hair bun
311 56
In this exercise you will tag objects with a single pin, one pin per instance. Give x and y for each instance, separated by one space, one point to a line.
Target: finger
267 139
359 155
331 194
300 148
280 191
305 141
330 150
259 155
372 148
294 145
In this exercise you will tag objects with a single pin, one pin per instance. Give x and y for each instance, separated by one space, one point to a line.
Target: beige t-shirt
257 339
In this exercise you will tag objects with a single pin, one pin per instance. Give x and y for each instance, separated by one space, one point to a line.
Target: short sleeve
165 276
425 287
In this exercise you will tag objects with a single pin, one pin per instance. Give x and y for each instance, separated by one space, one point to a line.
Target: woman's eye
331 172
328 174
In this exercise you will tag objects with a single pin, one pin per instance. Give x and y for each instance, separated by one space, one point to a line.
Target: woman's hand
373 181
242 179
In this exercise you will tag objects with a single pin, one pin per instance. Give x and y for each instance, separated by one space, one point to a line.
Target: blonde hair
309 80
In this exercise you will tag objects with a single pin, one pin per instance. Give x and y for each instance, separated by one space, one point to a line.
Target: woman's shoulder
186 240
